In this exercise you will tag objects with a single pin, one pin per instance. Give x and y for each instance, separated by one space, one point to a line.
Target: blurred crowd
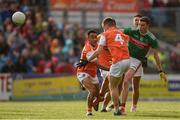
43 46
40 45
148 4
175 59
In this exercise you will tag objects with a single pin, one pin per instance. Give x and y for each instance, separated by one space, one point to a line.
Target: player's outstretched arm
157 59
162 74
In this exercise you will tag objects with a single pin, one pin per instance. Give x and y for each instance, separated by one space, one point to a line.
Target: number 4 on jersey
119 38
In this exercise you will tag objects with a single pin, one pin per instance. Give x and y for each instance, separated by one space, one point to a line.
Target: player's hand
163 76
82 63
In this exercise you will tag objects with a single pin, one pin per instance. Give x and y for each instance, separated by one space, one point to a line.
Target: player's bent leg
135 94
104 88
105 94
107 99
96 95
91 93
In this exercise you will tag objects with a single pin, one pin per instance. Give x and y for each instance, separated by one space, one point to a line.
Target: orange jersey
90 68
104 57
117 43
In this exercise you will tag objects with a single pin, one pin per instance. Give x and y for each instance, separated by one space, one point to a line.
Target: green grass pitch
77 110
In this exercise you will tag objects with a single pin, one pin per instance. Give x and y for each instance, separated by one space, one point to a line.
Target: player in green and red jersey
139 72
141 40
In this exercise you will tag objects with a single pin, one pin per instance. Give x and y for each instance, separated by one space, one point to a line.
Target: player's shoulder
151 35
131 28
86 47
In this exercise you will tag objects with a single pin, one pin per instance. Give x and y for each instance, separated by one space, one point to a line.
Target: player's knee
125 83
92 91
90 95
113 86
128 76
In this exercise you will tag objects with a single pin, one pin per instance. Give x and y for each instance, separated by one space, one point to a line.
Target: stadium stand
39 46
43 46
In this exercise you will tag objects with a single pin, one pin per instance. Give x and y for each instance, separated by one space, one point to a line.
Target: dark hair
138 15
109 21
145 19
91 31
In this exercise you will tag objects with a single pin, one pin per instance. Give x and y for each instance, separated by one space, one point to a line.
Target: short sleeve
83 53
102 40
153 41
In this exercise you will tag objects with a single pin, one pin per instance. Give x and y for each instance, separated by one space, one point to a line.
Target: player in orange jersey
104 59
116 42
87 74
136 77
104 63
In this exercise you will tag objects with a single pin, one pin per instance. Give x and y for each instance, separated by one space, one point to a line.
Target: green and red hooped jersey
139 44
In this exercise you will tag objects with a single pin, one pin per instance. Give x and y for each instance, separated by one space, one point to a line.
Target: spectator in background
55 47
173 3
39 23
6 12
60 36
3 45
21 66
175 59
145 5
41 66
172 12
38 46
26 61
68 44
14 47
158 3
9 67
8 27
65 68
52 27
4 48
36 56
51 65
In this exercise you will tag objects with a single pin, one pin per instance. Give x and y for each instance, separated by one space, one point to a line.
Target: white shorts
119 68
134 64
104 73
82 75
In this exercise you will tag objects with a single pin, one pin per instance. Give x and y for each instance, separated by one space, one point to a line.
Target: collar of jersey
144 33
112 28
91 47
